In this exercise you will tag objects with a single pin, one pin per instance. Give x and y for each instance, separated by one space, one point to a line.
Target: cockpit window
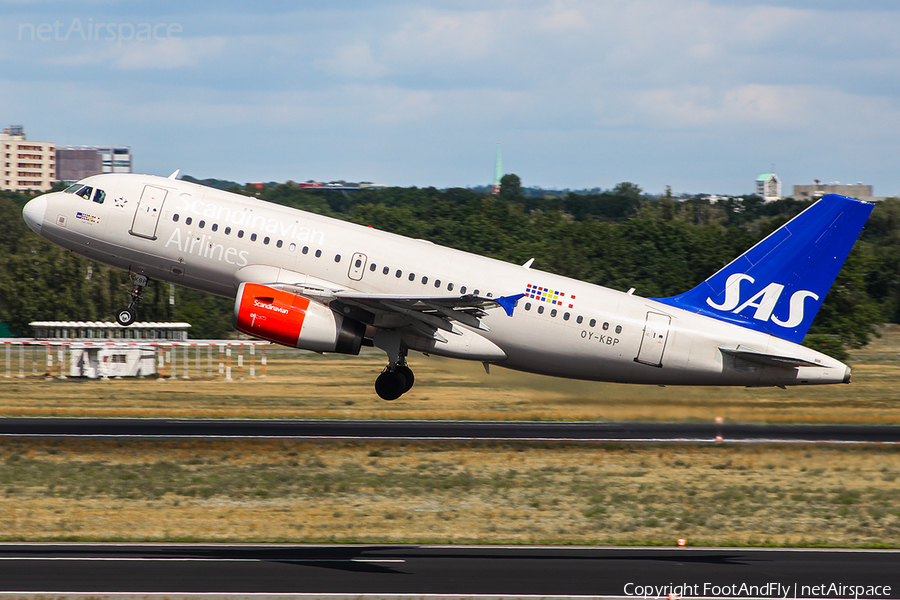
71 189
99 196
85 192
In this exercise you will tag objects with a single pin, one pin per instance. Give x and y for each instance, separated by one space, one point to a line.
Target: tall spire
498 172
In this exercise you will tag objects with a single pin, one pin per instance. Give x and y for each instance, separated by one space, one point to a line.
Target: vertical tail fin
779 284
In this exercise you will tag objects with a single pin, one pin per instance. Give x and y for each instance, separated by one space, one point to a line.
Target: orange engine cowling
296 321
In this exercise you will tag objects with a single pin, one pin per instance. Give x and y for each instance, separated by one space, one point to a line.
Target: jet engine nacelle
285 318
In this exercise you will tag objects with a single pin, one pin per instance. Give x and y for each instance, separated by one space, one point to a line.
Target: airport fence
167 359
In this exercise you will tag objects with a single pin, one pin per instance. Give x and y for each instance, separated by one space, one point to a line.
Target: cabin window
215 227
399 273
605 326
372 267
189 220
201 224
566 317
490 294
337 258
266 240
528 306
279 244
424 279
305 250
386 270
292 247
252 237
579 319
318 253
437 283
175 218
540 309
228 231
358 263
449 287
412 276
462 290
593 322
475 292
553 313
618 329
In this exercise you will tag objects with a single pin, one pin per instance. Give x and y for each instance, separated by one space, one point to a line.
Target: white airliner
320 284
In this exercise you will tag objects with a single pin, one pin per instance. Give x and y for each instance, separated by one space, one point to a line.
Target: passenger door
146 215
653 343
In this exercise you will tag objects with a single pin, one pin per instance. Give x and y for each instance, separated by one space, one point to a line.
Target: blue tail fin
779 284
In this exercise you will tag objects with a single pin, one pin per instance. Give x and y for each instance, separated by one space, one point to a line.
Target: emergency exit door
146 215
357 266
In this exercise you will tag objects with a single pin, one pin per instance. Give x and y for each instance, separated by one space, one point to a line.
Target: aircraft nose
34 213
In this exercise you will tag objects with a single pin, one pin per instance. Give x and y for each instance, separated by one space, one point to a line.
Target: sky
699 95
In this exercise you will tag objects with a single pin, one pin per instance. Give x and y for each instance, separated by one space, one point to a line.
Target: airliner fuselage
402 291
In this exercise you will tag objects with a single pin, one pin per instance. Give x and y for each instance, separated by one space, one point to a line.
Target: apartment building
27 166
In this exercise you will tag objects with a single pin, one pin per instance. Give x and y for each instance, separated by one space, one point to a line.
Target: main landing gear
397 378
126 316
396 381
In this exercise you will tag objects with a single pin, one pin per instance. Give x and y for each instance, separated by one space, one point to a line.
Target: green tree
511 188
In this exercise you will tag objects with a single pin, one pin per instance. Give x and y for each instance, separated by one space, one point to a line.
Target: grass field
305 385
449 492
218 490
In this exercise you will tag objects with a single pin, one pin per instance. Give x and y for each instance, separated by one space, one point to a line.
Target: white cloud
169 53
562 16
354 60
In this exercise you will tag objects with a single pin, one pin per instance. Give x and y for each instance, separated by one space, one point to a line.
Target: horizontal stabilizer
766 360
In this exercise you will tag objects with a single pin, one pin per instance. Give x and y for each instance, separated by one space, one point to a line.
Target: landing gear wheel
407 375
125 317
390 385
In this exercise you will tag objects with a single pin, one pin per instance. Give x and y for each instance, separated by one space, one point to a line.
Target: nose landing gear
126 316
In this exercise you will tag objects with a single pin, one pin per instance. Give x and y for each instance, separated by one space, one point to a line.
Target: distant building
97 330
78 162
73 165
768 186
27 166
817 190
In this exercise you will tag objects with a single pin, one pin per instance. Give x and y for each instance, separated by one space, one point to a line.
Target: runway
450 570
450 430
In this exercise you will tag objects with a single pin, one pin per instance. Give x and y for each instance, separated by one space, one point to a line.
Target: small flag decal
555 297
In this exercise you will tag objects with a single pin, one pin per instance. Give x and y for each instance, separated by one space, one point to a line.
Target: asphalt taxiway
450 430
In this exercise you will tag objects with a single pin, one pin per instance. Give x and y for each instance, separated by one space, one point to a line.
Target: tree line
618 238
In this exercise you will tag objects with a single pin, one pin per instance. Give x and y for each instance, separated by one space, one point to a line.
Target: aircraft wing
425 313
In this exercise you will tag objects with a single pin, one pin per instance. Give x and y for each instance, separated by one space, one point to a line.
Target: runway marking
216 560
